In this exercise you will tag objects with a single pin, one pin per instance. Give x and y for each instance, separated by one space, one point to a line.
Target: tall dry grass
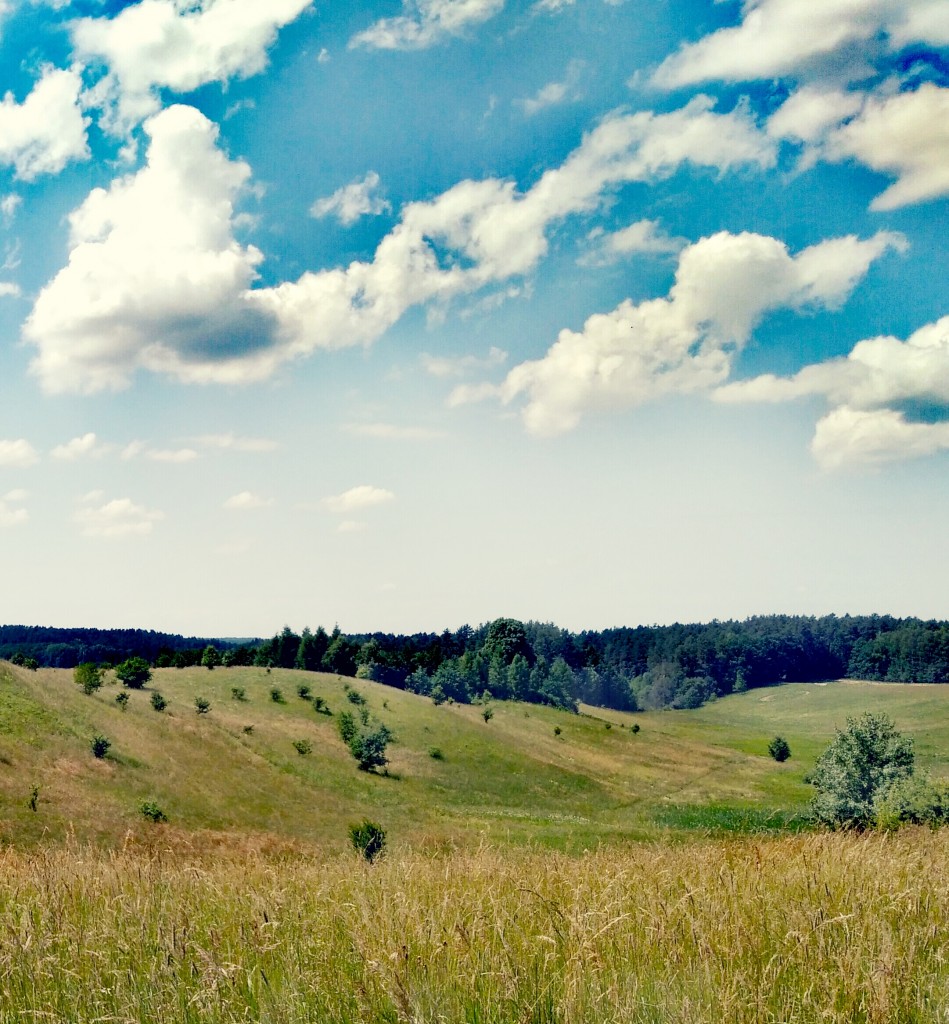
815 928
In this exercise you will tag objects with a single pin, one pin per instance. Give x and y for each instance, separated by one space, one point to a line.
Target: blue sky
408 314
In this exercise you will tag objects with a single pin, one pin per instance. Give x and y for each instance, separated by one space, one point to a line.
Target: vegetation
158 701
368 838
778 748
88 677
134 673
100 746
122 699
152 812
202 705
303 747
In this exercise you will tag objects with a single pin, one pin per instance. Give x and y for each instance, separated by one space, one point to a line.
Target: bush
321 707
557 730
303 691
366 743
34 799
368 838
202 705
238 693
634 727
778 748
158 701
100 746
914 800
276 695
122 699
862 763
436 754
248 729
88 676
487 713
31 663
346 725
355 697
153 812
134 673
303 747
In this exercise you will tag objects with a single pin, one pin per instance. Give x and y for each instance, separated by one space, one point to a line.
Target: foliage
88 676
238 693
134 673
122 699
367 742
354 696
100 746
779 749
276 695
487 713
368 838
435 753
912 800
34 800
153 812
202 705
304 692
321 707
863 761
158 701
303 747
210 657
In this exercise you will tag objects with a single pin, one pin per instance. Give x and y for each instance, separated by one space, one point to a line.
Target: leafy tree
134 673
100 746
238 693
210 657
367 743
778 748
864 760
122 699
505 638
368 838
304 692
276 695
202 705
158 701
311 650
340 656
88 676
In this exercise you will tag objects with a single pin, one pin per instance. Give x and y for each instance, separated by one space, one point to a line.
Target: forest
626 668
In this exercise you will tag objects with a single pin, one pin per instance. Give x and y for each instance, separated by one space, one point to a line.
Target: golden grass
824 928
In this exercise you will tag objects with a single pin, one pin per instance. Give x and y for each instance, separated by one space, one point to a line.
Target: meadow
545 867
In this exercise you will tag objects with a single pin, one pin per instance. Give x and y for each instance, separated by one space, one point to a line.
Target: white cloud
810 113
247 500
117 518
554 92
231 442
9 204
425 23
19 454
686 342
874 390
356 498
324 56
781 37
551 6
44 132
80 448
9 290
157 281
906 135
176 456
458 366
179 45
10 515
393 432
16 496
353 201
644 236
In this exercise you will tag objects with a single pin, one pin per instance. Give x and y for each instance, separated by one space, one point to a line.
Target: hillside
511 779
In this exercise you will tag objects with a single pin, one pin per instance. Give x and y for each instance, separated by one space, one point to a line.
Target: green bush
202 705
557 730
248 729
158 701
100 746
321 707
238 693
122 699
88 676
487 713
366 743
368 838
634 727
34 800
134 673
778 748
913 800
303 691
276 695
354 697
153 812
303 747
436 754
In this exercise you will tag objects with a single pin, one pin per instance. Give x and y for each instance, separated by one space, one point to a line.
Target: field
596 874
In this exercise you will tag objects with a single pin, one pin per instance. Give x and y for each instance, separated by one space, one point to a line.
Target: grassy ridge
512 779
800 930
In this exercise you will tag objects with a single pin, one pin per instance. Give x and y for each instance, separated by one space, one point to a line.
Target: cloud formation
356 498
120 517
18 454
247 500
554 92
352 201
184 305
176 44
11 511
644 236
425 23
891 397
46 131
686 342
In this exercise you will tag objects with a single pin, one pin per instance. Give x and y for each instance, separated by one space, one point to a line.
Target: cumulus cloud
644 236
176 44
685 342
44 132
11 511
551 6
425 23
458 366
781 37
176 456
157 281
352 201
83 447
9 290
247 500
554 92
232 442
356 498
19 454
120 517
891 397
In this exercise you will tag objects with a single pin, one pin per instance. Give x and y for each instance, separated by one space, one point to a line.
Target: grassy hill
512 779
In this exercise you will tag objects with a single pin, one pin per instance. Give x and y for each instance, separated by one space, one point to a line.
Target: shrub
238 693
634 727
368 838
863 761
34 799
31 663
366 744
276 695
248 729
202 705
122 699
158 701
303 691
153 812
557 730
438 695
303 747
321 707
913 800
133 673
100 746
355 697
88 676
210 657
778 748
436 753
487 713
608 725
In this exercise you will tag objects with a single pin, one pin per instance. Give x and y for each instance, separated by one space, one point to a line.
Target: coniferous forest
677 666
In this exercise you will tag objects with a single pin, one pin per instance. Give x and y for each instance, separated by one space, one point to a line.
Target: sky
414 313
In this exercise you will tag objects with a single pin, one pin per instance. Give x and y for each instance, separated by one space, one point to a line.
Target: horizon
573 311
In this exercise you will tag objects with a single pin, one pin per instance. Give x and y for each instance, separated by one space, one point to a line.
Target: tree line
627 668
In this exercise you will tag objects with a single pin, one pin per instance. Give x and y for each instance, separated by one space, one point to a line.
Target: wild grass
828 928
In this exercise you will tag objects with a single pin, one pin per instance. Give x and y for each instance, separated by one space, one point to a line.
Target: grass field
511 780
